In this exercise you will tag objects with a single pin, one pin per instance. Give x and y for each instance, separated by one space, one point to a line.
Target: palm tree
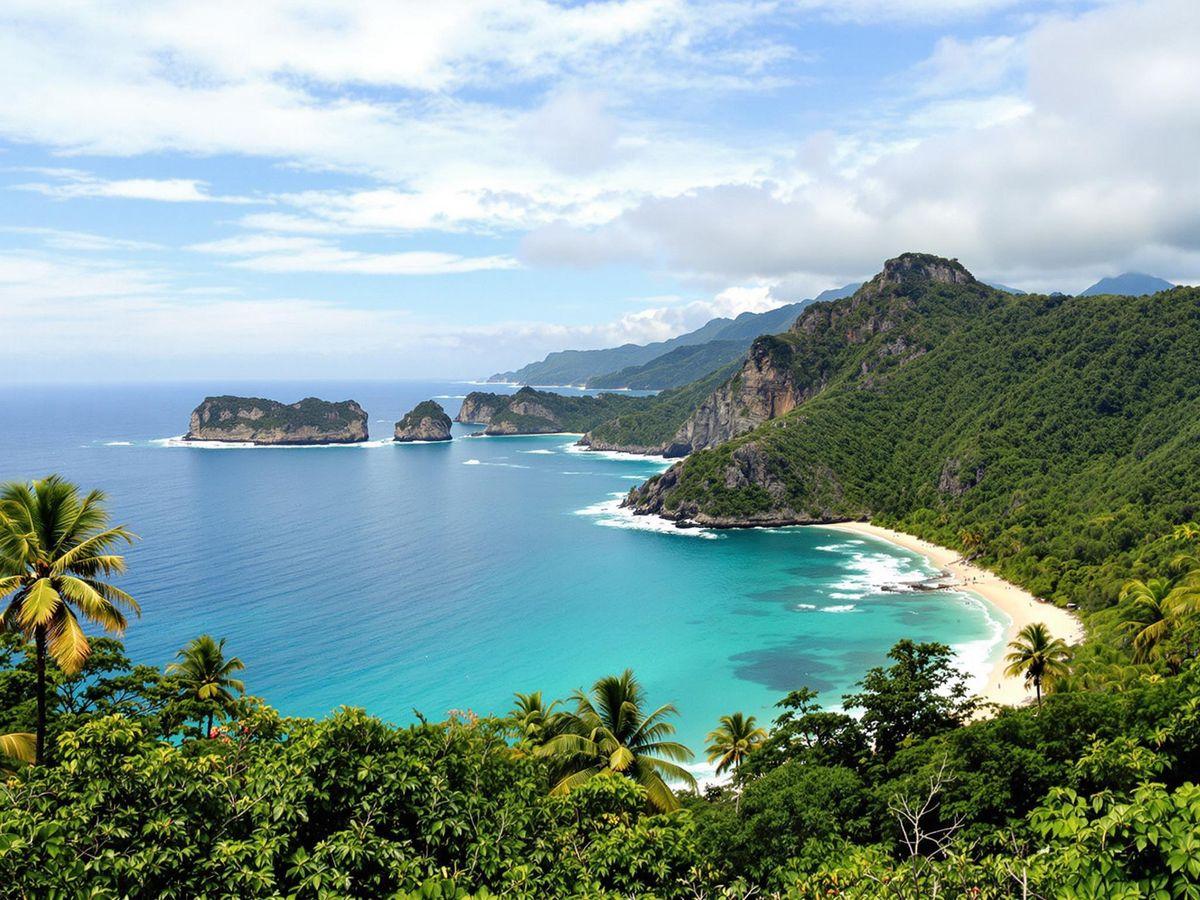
535 722
203 673
54 548
1148 613
610 733
19 745
733 740
1038 656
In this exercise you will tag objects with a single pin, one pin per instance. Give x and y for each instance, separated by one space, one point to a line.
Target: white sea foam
500 465
617 456
118 443
449 396
805 606
179 441
538 452
977 658
611 514
845 607
866 573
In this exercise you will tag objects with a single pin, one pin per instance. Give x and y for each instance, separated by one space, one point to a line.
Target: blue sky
382 189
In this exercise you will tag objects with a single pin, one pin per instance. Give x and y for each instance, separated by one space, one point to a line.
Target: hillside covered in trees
1055 437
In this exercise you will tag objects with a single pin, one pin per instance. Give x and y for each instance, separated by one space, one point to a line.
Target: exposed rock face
258 421
526 414
958 477
750 466
770 383
425 422
764 388
478 407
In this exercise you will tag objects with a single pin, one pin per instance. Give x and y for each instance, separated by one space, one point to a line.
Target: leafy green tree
1038 657
610 731
204 675
731 742
55 546
807 732
921 694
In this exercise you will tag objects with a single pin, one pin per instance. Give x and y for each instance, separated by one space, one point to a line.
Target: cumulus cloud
1096 166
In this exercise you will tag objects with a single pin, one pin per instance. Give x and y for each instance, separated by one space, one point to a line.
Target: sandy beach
1019 605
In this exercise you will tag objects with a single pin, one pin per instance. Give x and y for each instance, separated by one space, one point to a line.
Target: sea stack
254 420
425 422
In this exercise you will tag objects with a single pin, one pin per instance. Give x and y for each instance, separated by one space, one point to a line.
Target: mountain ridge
576 367
937 404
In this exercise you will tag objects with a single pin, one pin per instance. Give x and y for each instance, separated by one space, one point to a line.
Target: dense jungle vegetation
124 780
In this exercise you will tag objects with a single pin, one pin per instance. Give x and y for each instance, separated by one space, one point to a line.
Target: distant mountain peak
926 267
1128 284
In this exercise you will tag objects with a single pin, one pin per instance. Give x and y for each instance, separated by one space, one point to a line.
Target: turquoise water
447 576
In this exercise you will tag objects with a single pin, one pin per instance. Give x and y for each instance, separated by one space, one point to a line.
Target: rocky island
426 421
254 420
478 407
530 411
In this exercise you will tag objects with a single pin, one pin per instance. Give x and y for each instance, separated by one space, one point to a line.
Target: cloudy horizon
398 190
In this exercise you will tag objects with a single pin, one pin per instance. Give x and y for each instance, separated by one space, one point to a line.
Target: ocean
434 577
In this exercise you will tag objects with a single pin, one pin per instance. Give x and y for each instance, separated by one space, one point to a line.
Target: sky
389 189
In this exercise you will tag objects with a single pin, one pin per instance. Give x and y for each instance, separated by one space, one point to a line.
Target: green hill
649 429
1057 434
681 366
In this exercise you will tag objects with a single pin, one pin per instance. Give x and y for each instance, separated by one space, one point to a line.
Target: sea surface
447 576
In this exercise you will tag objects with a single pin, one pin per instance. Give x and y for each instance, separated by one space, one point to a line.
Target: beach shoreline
1017 604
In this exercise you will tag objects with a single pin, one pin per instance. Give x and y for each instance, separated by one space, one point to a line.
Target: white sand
1019 605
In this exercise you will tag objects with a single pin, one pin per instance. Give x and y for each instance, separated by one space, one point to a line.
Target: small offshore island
254 420
426 421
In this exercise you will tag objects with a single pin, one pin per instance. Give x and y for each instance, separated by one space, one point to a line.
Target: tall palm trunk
1037 686
40 746
208 728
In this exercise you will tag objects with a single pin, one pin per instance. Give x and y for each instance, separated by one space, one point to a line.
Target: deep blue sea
448 576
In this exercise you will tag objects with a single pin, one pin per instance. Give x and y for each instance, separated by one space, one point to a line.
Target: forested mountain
1128 284
578 366
1054 434
681 366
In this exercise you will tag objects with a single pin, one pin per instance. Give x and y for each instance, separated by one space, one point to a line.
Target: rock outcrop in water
478 407
426 421
255 420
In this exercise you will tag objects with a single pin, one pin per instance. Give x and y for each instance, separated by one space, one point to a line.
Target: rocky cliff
426 421
478 407
530 411
258 421
780 372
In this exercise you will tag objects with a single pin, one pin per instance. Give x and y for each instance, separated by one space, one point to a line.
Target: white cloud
201 332
278 253
60 239
1094 167
72 183
573 131
957 66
